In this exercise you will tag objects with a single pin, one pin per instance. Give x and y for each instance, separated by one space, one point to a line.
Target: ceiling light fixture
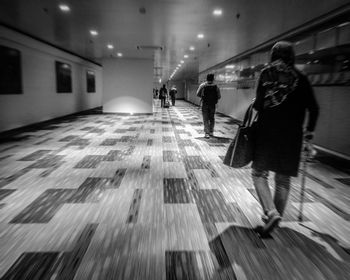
200 36
229 66
217 12
182 61
110 46
93 32
185 56
192 48
64 7
119 54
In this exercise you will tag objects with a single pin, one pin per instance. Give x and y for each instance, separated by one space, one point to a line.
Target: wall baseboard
128 114
333 153
10 133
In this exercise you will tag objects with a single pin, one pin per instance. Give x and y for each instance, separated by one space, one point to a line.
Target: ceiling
171 24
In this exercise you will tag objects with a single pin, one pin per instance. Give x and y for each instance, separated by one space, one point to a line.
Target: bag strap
248 117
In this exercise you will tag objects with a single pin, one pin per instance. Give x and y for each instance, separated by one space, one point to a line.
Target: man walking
172 93
163 92
209 94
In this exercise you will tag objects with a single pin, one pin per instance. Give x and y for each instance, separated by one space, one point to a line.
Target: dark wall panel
10 71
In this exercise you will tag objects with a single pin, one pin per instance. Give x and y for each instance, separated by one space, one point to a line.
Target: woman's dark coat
280 129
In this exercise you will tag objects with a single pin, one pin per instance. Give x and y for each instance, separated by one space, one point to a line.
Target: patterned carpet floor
106 196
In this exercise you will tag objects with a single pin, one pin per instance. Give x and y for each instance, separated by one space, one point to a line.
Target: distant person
172 93
209 94
163 94
283 97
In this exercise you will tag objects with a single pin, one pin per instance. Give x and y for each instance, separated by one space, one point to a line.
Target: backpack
163 93
210 95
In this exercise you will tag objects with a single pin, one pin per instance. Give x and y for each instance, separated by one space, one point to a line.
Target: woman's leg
262 188
282 185
260 180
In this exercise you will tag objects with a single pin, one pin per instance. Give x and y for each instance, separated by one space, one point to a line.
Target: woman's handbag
240 151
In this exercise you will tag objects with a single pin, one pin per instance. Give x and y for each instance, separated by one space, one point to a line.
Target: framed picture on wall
10 71
63 77
90 81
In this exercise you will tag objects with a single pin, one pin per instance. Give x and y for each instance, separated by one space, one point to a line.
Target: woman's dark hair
210 77
283 50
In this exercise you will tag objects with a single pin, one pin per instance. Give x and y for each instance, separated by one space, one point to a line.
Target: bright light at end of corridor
200 36
93 32
64 7
217 12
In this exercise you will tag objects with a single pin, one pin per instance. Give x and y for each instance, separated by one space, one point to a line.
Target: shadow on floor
288 254
215 139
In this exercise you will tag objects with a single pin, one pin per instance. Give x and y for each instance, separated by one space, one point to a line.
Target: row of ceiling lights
216 12
66 9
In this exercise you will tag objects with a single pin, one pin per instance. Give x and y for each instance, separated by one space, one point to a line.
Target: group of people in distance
283 97
163 95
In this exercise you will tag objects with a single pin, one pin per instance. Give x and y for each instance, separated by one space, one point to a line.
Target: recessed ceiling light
192 48
110 46
229 66
119 54
185 56
217 12
64 7
179 65
200 36
93 32
182 61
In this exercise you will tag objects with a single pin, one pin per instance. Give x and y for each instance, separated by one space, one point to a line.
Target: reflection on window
10 71
63 77
323 55
90 81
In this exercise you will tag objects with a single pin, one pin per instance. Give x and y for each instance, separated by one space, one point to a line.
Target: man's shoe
264 218
207 136
273 220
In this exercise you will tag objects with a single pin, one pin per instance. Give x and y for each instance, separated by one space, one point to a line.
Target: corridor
113 196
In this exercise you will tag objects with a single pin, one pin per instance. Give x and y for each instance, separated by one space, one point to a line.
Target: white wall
127 85
39 100
333 128
234 102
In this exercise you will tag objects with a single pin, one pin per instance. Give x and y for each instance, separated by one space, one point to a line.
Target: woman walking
283 97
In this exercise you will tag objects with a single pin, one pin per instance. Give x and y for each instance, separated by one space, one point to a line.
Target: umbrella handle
306 150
